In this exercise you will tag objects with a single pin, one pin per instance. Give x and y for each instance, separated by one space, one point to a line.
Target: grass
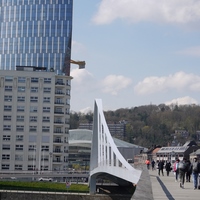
43 186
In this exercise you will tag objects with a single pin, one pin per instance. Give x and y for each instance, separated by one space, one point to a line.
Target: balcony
58 122
59 112
59 103
58 141
57 151
60 83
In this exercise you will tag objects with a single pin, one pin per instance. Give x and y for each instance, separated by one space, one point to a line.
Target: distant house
172 153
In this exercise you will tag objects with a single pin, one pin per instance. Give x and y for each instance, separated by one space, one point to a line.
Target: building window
21 89
7 127
19 128
45 148
6 147
46 100
34 80
8 78
59 81
5 157
45 128
34 89
68 101
33 118
31 167
34 99
46 119
32 128
67 92
18 167
67 111
19 157
47 80
20 108
8 98
6 137
33 109
20 118
19 147
21 99
5 166
46 109
7 118
21 79
47 90
19 137
31 157
8 88
7 108
68 82
32 147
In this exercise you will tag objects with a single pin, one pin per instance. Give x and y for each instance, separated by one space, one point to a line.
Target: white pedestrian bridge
106 160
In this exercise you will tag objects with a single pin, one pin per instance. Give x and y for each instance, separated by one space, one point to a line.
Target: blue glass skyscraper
36 33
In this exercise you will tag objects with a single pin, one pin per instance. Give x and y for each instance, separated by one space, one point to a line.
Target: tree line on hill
150 125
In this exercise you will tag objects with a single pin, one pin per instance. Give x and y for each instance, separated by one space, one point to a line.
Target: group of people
182 170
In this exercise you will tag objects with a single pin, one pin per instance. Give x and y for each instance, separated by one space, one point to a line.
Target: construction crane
80 63
66 68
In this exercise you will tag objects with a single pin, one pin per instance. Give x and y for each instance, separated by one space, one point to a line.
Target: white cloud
167 11
113 84
192 51
86 110
178 81
182 101
77 47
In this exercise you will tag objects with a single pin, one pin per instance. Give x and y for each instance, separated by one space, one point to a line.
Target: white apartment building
34 120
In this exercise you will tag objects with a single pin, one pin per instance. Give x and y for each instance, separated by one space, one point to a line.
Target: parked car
45 179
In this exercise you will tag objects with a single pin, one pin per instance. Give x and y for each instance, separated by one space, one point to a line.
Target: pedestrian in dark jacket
189 171
168 167
161 167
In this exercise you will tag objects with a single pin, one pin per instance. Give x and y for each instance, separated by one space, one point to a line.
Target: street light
50 167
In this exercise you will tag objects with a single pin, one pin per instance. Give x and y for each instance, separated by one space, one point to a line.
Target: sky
137 52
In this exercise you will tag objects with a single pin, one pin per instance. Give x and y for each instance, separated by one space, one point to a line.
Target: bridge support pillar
92 185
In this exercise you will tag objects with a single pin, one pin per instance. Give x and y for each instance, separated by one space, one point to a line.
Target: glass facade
36 33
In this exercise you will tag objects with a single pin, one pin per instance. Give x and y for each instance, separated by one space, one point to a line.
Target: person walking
189 171
176 170
161 167
147 162
195 172
168 167
152 165
182 170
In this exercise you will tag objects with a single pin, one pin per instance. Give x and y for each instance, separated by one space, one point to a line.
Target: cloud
192 51
77 47
178 81
113 84
162 11
182 101
81 79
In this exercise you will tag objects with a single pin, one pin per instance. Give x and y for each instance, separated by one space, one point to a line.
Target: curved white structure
105 157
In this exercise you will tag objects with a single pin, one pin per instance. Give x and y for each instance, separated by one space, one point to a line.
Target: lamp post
50 167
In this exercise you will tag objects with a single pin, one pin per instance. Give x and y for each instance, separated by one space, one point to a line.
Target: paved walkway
165 188
154 187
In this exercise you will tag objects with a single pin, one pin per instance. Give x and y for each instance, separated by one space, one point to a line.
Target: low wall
55 196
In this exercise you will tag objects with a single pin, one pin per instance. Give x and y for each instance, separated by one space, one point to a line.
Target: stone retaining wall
34 196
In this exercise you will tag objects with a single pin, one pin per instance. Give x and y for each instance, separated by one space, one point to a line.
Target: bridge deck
154 187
